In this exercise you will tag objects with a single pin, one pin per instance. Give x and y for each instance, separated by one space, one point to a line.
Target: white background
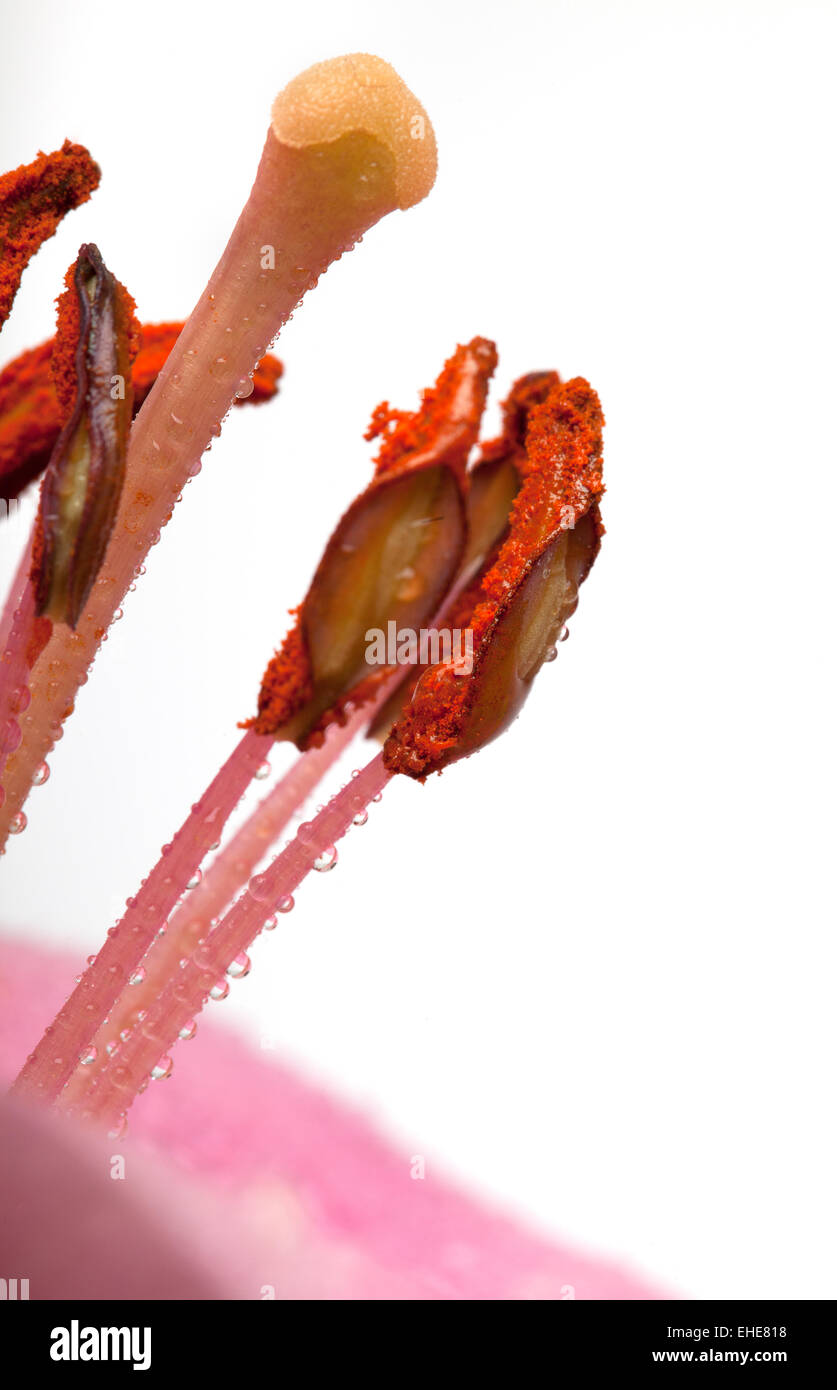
591 971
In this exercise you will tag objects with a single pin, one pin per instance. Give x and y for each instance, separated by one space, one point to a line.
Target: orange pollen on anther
563 481
33 200
527 392
65 343
450 404
287 682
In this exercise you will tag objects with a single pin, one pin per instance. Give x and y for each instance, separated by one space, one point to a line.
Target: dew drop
326 860
377 797
410 585
21 699
163 1069
259 888
88 1058
18 823
564 633
262 771
551 654
219 990
195 879
41 775
188 1030
361 818
269 923
138 976
239 967
10 737
286 904
117 615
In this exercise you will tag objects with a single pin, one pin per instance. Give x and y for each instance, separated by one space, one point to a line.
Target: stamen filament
16 627
186 993
192 918
50 1066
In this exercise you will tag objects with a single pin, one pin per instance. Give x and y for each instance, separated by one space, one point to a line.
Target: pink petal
243 1182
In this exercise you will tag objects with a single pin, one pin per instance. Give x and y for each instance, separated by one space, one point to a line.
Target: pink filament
184 995
16 629
49 1067
192 918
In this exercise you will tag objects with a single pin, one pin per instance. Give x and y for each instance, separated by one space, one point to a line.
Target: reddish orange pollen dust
447 408
33 200
441 431
563 482
287 682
